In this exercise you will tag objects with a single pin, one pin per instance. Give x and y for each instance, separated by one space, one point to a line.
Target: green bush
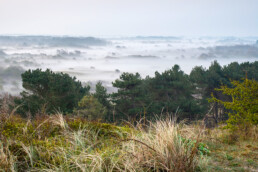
202 148
90 108
243 106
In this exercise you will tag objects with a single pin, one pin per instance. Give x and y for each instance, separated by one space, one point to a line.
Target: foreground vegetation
40 140
57 143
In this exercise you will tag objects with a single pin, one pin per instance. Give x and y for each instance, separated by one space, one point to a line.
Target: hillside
58 143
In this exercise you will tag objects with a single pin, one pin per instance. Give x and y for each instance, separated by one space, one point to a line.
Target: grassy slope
58 144
232 152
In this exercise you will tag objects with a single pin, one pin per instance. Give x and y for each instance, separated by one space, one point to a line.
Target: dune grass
58 143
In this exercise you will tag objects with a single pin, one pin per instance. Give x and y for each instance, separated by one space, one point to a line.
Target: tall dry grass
161 146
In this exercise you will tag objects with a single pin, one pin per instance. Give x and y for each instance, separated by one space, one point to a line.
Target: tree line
171 91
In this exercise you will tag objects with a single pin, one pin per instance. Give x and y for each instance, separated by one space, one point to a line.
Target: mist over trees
171 91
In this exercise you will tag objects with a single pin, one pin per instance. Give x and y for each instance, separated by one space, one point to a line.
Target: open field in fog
93 59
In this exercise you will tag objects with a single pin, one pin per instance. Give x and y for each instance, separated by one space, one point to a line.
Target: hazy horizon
92 59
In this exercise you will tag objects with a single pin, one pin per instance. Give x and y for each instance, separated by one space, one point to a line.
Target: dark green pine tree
198 77
172 90
128 98
48 91
104 98
250 69
205 82
102 95
236 71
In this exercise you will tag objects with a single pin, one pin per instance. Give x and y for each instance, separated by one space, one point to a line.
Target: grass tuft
58 143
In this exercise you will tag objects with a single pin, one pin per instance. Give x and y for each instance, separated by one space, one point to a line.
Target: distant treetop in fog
50 41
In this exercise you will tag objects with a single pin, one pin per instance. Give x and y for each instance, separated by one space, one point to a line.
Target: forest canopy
171 91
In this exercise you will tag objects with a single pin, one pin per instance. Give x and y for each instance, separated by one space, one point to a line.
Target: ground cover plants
58 143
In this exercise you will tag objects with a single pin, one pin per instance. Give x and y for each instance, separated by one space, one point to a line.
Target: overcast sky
130 17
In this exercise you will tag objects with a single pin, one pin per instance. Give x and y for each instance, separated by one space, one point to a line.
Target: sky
129 17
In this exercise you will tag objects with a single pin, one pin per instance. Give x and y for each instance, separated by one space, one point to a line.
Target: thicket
171 91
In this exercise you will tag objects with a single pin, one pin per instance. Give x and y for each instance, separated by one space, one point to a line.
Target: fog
104 59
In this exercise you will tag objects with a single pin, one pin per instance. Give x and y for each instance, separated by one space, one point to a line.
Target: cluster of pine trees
171 91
